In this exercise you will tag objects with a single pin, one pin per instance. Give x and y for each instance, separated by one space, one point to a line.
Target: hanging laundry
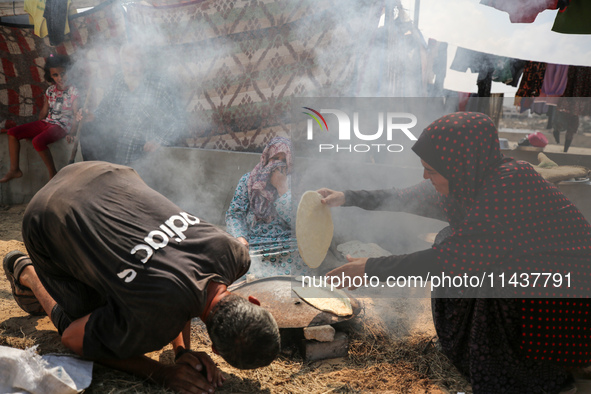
530 86
522 11
477 62
435 67
575 19
554 84
508 71
575 102
551 116
502 71
489 68
576 99
579 82
468 59
484 84
532 80
37 9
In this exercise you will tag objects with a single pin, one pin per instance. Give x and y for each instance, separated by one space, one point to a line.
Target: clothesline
573 16
526 74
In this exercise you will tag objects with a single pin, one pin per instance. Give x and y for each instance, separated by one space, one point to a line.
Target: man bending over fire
121 271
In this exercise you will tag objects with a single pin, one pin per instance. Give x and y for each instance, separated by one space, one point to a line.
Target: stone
314 350
323 333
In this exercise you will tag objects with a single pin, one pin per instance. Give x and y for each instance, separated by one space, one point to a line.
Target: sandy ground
378 361
17 327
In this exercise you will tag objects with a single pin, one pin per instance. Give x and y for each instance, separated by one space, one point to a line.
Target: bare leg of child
48 160
14 148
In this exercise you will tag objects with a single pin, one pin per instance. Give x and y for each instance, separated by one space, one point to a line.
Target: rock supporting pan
290 311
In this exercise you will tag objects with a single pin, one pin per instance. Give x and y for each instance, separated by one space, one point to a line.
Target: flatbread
314 229
336 302
562 173
554 173
359 249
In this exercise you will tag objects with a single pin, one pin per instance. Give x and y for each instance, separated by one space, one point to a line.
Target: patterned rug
22 85
93 45
236 63
241 62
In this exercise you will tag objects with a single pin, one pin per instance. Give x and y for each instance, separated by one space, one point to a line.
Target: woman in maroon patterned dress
504 219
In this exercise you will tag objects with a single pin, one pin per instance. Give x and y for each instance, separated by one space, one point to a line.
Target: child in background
56 118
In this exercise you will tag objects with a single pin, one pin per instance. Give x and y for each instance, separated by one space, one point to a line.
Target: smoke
382 66
145 48
201 63
384 162
221 79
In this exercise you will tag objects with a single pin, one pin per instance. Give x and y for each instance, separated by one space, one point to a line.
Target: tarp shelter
235 64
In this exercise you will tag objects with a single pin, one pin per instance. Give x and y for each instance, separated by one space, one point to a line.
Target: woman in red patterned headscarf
263 189
504 219
260 213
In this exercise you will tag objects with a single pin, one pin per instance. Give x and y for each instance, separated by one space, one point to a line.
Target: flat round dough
314 229
359 249
336 302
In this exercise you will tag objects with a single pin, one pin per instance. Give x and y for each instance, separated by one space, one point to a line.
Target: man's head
243 333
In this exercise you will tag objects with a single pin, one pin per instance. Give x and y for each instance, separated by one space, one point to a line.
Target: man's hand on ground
201 361
183 378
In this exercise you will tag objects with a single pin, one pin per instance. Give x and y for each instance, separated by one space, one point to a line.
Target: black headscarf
464 148
511 219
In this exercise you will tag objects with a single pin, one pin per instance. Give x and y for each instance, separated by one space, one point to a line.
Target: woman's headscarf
511 219
261 193
509 215
463 147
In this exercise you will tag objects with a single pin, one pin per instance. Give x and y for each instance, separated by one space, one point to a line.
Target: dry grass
377 362
386 354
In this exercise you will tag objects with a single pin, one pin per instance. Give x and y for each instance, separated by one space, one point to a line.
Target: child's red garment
61 102
57 123
41 133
